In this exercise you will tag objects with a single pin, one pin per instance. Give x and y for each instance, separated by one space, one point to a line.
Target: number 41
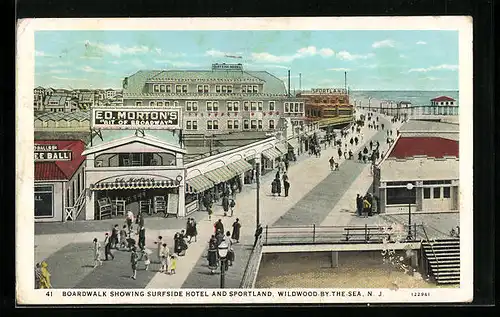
49 293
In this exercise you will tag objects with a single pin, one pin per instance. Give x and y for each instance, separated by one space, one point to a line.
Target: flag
233 56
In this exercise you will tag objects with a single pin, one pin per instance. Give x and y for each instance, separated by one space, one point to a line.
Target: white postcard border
25 48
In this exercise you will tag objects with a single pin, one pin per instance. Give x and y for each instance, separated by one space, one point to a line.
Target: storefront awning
134 185
282 148
240 167
198 184
271 153
221 174
293 143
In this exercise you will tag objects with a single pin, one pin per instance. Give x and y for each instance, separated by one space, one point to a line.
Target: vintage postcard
244 160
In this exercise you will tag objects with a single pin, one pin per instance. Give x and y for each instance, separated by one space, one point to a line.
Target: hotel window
245 124
159 103
224 88
296 107
245 106
271 124
212 125
156 88
255 89
138 103
184 88
206 89
253 106
200 88
272 105
260 103
436 192
253 124
243 88
236 124
446 192
229 124
209 105
259 124
230 89
287 107
192 125
191 105
427 193
176 104
233 105
209 125
44 198
151 103
217 88
301 107
166 103
178 88
162 88
168 88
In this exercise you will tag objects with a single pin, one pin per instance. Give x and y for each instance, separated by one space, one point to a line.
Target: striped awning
221 174
282 148
293 143
240 167
271 153
198 184
134 185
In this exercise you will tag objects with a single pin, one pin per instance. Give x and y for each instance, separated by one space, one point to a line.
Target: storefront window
401 195
436 192
427 193
44 200
446 192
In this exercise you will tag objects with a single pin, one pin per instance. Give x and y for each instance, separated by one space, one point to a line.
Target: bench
366 232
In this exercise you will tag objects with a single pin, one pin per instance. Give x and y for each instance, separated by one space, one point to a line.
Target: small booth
59 188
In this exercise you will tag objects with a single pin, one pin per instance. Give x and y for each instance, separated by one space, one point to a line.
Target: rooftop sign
136 119
51 153
227 67
328 91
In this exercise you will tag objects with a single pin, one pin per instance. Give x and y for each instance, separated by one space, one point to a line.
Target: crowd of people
42 275
215 242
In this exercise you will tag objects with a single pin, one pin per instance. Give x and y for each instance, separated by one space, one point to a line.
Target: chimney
345 81
288 83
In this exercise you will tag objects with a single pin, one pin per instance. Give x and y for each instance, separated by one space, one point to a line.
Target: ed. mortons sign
51 153
147 118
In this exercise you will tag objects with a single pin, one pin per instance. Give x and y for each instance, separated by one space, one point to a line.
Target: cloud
115 62
57 64
216 53
263 57
40 53
89 69
171 63
384 43
344 55
421 43
339 69
403 56
118 50
58 71
90 57
70 78
433 68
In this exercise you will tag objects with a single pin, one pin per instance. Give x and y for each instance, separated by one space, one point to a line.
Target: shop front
59 182
270 157
138 173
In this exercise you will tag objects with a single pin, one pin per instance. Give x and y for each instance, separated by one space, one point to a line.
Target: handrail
432 248
80 202
250 273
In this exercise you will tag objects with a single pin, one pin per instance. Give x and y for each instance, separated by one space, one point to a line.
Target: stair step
441 247
447 264
442 270
444 258
447 277
449 282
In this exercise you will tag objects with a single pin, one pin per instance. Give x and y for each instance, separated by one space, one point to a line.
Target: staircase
442 257
72 213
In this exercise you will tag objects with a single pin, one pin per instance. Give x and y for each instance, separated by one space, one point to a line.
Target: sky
373 60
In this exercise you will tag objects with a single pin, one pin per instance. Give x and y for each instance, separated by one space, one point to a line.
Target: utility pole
288 83
257 174
300 82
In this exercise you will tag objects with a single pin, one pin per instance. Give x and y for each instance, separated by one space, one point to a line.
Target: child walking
146 261
173 264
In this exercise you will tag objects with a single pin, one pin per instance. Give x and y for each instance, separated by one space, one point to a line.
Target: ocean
418 98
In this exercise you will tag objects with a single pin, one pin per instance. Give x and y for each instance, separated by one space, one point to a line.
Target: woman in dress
236 230
212 254
45 281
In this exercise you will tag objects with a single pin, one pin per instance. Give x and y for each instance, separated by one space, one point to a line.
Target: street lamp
222 250
409 186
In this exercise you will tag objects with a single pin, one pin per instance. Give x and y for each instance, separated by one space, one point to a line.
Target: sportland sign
135 119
